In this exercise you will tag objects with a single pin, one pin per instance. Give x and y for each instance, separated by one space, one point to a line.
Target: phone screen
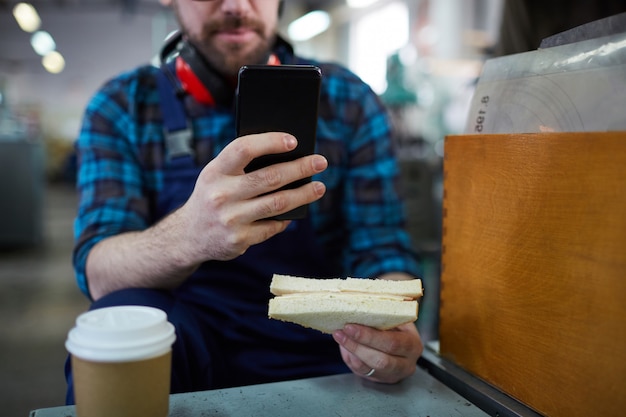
281 98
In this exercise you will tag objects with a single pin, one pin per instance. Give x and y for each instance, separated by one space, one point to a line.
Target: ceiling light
53 62
42 42
309 25
358 4
27 17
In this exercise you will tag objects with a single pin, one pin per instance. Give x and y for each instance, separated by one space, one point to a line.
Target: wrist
175 239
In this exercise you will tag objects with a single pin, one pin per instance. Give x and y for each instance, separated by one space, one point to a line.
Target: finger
377 366
372 338
250 211
355 364
370 357
398 341
241 151
263 230
362 369
280 202
253 210
276 176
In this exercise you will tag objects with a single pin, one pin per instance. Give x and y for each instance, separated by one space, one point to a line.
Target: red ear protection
196 77
204 84
191 84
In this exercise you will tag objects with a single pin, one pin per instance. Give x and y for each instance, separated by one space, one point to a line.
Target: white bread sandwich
329 304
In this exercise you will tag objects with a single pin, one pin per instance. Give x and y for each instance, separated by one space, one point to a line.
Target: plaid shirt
359 223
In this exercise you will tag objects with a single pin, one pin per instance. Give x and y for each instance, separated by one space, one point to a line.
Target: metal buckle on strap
178 144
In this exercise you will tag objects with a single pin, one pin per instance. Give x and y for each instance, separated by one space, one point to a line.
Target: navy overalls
224 337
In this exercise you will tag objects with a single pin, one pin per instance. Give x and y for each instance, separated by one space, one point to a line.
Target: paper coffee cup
121 362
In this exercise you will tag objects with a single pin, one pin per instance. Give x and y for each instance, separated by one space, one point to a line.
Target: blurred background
422 56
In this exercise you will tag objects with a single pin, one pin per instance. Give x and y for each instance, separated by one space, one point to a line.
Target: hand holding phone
281 98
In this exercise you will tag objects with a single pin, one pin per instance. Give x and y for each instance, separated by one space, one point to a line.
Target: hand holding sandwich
392 354
372 320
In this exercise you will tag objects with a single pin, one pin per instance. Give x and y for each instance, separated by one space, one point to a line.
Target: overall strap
176 128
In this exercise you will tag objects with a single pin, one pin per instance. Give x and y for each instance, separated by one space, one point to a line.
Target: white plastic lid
120 334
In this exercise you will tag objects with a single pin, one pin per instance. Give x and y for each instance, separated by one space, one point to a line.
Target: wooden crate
533 296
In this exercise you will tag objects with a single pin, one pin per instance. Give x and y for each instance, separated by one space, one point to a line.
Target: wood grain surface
533 296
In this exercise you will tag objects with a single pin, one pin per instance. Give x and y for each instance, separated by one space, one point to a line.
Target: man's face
229 33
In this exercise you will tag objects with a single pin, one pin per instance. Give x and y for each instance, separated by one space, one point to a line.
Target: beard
226 57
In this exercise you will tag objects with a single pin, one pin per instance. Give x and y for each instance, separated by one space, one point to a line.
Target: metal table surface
337 395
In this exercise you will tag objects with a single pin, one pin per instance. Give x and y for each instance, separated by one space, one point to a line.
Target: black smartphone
280 98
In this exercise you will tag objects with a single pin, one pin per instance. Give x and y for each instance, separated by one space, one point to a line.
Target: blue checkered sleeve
111 182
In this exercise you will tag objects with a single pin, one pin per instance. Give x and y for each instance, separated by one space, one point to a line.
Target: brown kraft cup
121 362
